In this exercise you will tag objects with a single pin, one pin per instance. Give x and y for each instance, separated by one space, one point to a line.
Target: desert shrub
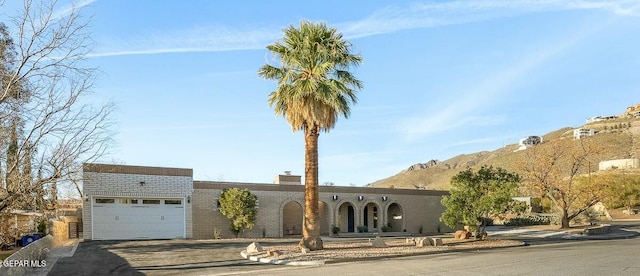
335 229
216 233
42 226
528 220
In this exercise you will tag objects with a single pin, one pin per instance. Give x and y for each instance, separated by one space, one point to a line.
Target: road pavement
221 257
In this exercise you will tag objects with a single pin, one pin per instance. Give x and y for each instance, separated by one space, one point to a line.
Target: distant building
633 110
619 164
529 141
600 118
582 133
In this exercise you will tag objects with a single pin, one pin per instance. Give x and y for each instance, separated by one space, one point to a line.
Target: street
544 256
606 257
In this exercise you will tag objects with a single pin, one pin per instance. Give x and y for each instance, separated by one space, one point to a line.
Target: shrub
385 228
528 220
216 233
42 226
362 229
335 229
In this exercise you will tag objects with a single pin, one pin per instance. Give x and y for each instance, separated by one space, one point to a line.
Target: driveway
160 257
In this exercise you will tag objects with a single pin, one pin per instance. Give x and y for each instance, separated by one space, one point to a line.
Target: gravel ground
336 250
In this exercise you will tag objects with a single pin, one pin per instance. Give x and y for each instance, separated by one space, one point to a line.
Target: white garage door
137 218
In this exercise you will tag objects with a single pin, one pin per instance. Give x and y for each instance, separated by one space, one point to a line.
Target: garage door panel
124 220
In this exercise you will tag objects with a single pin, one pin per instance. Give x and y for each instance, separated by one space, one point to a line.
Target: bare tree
43 100
553 170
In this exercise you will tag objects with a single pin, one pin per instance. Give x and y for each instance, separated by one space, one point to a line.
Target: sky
441 78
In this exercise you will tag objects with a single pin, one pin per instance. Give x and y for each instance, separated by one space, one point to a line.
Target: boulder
378 243
410 241
462 235
436 241
254 248
304 250
422 242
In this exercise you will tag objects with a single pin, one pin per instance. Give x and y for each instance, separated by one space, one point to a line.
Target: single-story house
136 202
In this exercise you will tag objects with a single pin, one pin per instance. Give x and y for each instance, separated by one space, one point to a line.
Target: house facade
134 202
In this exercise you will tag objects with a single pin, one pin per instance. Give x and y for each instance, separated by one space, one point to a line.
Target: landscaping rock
304 250
254 248
436 242
410 241
422 242
378 243
462 235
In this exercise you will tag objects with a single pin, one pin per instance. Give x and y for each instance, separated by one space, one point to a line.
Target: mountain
618 135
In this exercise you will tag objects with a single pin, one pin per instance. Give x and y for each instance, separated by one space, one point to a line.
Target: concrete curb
264 260
75 246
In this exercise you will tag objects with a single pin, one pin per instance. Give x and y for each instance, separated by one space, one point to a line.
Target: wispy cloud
68 9
493 89
201 39
424 15
483 140
386 20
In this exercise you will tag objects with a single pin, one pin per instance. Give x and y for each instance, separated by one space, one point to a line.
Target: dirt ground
344 250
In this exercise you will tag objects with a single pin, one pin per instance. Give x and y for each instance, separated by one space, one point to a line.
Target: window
173 201
150 201
128 201
105 200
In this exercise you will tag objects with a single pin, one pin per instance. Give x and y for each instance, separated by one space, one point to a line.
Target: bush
528 220
362 229
385 228
42 227
335 229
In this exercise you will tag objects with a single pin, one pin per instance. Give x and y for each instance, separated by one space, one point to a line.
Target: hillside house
528 141
600 118
580 133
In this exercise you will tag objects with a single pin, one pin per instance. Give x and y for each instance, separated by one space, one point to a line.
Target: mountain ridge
617 134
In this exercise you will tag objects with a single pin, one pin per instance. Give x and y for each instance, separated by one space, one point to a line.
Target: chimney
288 179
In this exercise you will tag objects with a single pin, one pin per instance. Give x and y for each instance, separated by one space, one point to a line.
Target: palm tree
314 89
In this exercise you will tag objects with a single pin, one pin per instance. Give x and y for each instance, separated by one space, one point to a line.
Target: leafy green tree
314 89
240 207
477 195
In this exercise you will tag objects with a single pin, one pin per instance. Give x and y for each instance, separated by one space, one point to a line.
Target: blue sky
441 78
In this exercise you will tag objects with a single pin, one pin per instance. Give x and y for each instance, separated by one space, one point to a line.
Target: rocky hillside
619 137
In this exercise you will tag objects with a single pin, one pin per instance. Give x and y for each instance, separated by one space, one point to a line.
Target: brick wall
420 208
138 182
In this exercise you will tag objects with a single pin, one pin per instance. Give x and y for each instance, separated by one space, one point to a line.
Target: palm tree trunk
311 226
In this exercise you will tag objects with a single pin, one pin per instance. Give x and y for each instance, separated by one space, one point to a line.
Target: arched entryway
325 220
346 217
370 215
395 217
292 219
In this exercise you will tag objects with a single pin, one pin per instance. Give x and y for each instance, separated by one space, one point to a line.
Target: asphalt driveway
159 257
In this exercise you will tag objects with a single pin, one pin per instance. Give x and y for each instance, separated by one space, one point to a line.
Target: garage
138 218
